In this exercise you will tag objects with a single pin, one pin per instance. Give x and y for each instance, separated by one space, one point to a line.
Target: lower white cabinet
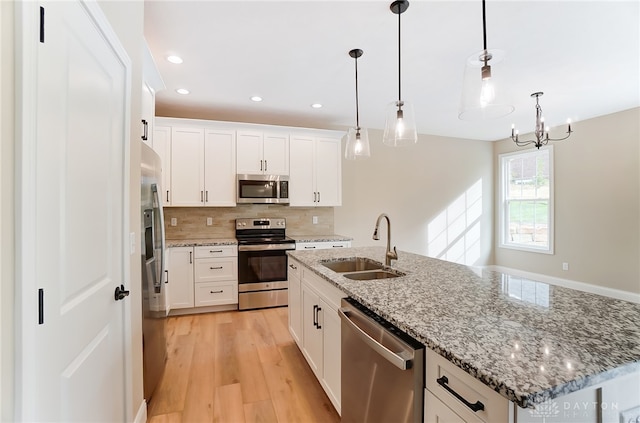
314 323
202 276
295 307
613 401
180 286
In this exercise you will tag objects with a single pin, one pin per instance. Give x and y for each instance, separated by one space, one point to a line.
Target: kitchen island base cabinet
313 319
614 401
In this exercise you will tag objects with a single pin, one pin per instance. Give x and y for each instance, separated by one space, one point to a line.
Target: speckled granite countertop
320 238
200 242
527 340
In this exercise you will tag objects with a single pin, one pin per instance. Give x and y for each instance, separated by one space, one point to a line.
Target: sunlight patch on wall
454 235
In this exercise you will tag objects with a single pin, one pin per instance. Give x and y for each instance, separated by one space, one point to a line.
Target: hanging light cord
357 111
484 27
399 62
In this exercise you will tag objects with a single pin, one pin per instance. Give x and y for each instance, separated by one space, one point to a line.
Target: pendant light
357 138
400 126
483 95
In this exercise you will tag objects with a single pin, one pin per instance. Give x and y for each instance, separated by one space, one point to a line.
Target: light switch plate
209 221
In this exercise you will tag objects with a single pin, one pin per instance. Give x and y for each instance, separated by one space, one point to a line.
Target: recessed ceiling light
182 91
256 98
316 105
174 59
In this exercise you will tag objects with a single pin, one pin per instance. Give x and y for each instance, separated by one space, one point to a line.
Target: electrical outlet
209 221
174 221
565 266
315 220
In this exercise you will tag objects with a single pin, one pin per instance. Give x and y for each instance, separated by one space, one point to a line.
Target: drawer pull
309 248
338 246
442 381
215 251
216 268
216 292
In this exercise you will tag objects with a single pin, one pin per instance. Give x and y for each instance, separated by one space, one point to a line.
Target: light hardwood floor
237 367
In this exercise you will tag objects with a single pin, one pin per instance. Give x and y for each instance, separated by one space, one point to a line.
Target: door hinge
41 24
40 306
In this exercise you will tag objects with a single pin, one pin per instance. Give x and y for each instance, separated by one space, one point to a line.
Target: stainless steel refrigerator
154 310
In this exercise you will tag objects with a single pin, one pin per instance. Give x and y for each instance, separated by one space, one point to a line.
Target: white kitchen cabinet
321 340
187 166
203 276
220 168
162 146
322 245
261 153
202 167
435 411
151 84
295 306
180 286
315 172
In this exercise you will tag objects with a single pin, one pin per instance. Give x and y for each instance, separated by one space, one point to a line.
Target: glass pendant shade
357 144
400 125
483 93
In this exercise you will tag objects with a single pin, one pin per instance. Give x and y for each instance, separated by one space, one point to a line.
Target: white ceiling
584 55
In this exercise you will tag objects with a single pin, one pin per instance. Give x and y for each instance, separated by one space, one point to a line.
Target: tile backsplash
192 221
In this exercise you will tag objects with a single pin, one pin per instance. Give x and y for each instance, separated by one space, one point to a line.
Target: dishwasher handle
397 360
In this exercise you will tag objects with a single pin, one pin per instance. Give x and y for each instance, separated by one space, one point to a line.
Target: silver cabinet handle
395 359
265 165
215 268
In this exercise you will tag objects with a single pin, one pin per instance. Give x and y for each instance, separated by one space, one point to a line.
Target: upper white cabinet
151 84
262 153
162 146
202 167
316 172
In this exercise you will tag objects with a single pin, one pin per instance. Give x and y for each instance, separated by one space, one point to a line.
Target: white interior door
74 358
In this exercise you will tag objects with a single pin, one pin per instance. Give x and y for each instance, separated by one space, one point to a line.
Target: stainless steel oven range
262 262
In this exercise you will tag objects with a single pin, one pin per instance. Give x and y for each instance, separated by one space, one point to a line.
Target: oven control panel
261 223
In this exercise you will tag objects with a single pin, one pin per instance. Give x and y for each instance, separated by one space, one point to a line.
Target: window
526 200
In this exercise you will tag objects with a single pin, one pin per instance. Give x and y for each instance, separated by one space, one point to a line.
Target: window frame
503 204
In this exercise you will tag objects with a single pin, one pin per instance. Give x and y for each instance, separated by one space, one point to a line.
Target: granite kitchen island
529 341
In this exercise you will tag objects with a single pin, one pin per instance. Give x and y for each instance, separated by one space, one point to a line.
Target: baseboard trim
141 416
568 283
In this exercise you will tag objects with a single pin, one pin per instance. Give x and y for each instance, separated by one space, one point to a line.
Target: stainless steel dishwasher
382 369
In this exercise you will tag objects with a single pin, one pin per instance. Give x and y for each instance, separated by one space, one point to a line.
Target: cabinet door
435 411
311 330
249 153
220 168
180 284
331 345
187 167
148 112
276 154
162 146
328 172
295 299
301 172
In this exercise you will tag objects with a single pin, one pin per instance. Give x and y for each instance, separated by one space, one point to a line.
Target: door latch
120 293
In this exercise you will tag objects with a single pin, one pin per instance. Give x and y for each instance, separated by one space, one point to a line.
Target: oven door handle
400 360
267 247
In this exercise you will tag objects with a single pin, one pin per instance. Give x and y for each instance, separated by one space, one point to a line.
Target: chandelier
541 131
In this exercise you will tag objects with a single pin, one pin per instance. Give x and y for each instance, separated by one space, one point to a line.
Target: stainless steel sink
372 274
353 265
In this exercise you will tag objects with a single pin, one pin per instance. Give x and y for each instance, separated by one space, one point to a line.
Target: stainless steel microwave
263 189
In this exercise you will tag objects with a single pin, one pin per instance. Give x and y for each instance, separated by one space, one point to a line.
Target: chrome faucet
390 255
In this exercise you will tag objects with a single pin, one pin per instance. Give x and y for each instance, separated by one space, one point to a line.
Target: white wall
597 205
6 211
438 194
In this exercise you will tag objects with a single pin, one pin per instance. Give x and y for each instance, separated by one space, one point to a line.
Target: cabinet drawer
496 407
216 293
216 251
216 269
